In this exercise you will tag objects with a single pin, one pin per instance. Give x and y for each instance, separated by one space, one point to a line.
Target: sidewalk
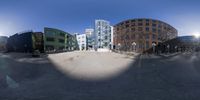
127 53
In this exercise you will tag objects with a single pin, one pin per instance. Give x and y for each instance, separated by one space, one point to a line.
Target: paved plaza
100 76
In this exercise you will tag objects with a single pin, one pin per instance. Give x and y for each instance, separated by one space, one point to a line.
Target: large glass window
62 34
50 39
61 40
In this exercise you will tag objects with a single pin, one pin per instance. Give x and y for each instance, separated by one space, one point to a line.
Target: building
90 38
140 34
38 42
103 34
23 42
180 44
3 42
72 43
27 41
54 40
82 41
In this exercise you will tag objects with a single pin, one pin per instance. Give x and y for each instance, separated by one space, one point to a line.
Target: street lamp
134 46
176 48
119 45
168 46
154 45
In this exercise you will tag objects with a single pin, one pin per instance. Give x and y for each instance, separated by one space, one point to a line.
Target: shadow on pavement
146 79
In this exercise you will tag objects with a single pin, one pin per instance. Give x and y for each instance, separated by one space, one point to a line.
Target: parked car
36 53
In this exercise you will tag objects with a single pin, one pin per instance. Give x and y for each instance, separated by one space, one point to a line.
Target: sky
74 16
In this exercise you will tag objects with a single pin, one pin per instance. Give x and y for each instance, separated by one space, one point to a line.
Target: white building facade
103 35
90 38
82 41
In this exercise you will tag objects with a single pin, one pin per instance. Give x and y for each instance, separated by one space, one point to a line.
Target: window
154 36
132 29
159 36
147 44
140 29
140 24
61 40
154 21
153 29
106 37
159 26
147 29
159 31
62 34
154 25
147 24
105 44
132 20
50 39
147 36
127 26
140 20
147 20
127 37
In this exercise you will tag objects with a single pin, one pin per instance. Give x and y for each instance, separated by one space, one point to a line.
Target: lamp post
119 46
154 45
168 46
176 48
134 46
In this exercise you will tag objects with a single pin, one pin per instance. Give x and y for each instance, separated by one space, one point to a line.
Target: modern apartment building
82 41
54 40
90 38
71 43
140 34
103 34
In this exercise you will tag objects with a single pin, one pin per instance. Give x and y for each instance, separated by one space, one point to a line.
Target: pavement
101 76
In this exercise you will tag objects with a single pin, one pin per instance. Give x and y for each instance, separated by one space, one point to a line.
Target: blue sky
76 15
